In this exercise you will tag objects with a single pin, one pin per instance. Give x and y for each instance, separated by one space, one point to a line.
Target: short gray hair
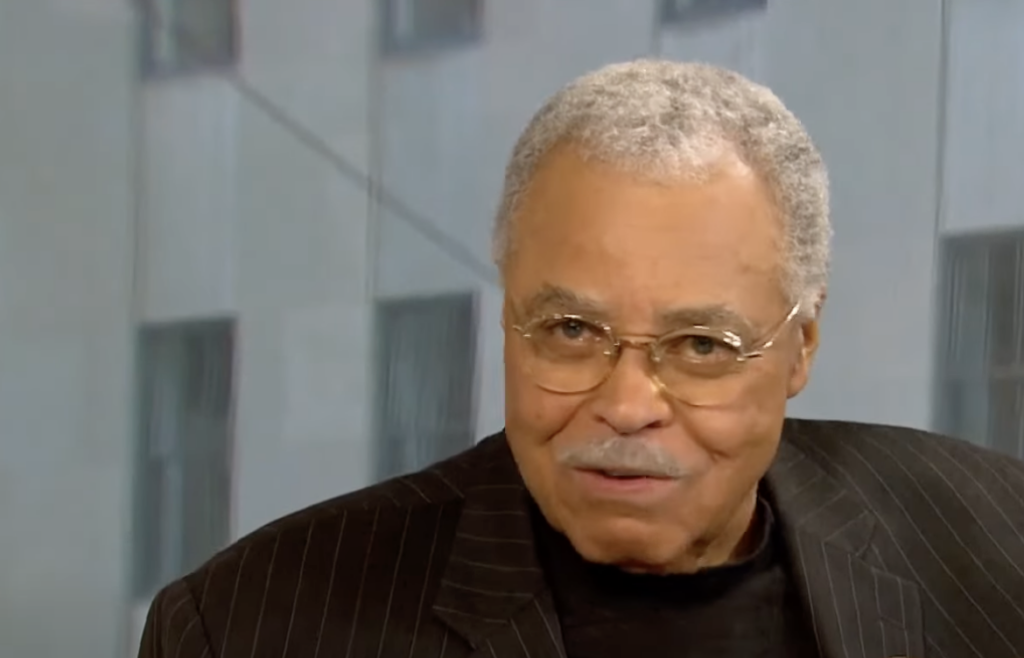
668 119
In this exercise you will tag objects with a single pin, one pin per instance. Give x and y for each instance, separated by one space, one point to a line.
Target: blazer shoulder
438 484
941 467
414 509
173 627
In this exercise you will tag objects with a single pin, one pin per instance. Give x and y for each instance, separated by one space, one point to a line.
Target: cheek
533 415
533 419
745 430
740 442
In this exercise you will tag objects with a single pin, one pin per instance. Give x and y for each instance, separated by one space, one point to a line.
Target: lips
624 486
626 474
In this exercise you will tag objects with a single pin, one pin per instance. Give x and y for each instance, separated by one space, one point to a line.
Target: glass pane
183 500
1018 309
415 24
448 18
1005 316
186 35
980 395
427 357
1007 416
968 292
205 32
680 11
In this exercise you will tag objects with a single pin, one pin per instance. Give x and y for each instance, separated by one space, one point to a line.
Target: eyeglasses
697 365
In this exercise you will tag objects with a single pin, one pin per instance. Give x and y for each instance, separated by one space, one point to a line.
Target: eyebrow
556 299
714 316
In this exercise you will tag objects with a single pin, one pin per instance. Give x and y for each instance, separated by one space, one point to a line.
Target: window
686 11
426 362
183 483
981 365
185 36
417 25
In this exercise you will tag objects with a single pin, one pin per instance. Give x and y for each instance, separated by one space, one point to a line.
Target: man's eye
698 347
573 329
703 345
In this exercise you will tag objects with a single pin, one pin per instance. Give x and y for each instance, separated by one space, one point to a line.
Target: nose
630 400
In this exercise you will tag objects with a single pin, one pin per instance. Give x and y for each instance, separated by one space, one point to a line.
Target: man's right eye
572 330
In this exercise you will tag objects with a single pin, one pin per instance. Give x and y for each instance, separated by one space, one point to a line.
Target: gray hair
669 119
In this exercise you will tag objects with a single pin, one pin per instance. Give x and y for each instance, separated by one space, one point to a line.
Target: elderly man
664 244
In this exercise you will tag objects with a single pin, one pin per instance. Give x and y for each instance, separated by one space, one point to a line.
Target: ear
809 340
505 313
506 321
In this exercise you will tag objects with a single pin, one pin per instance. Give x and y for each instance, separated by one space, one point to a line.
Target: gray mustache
619 453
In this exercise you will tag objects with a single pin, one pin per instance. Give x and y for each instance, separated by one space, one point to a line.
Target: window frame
671 14
148 28
154 561
384 431
982 373
393 45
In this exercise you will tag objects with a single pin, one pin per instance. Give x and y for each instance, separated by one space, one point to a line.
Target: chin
635 545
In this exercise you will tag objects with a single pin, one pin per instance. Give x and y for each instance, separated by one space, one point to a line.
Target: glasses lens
569 355
701 367
572 355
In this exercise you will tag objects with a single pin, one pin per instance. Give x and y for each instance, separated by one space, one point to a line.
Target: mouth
626 474
625 485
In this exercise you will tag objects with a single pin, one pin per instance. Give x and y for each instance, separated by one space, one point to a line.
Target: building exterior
231 263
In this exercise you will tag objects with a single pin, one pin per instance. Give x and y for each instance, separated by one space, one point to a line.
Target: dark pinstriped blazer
902 543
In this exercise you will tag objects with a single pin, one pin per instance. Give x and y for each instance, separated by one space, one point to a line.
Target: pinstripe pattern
903 543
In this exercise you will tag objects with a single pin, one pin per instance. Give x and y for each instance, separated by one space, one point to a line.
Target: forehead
639 246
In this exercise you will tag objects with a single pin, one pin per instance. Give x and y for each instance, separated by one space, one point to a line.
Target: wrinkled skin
636 250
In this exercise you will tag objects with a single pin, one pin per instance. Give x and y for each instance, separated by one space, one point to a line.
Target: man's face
631 254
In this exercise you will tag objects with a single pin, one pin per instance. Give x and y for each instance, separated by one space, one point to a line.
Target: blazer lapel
494 593
858 610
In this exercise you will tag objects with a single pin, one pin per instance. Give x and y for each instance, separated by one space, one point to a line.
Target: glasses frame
655 346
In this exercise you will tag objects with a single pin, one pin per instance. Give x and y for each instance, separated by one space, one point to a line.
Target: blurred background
244 259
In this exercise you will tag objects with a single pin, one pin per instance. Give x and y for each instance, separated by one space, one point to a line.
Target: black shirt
748 609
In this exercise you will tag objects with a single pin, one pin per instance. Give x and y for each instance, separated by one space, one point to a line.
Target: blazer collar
494 593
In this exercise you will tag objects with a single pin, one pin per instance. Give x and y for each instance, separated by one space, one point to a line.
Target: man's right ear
820 303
